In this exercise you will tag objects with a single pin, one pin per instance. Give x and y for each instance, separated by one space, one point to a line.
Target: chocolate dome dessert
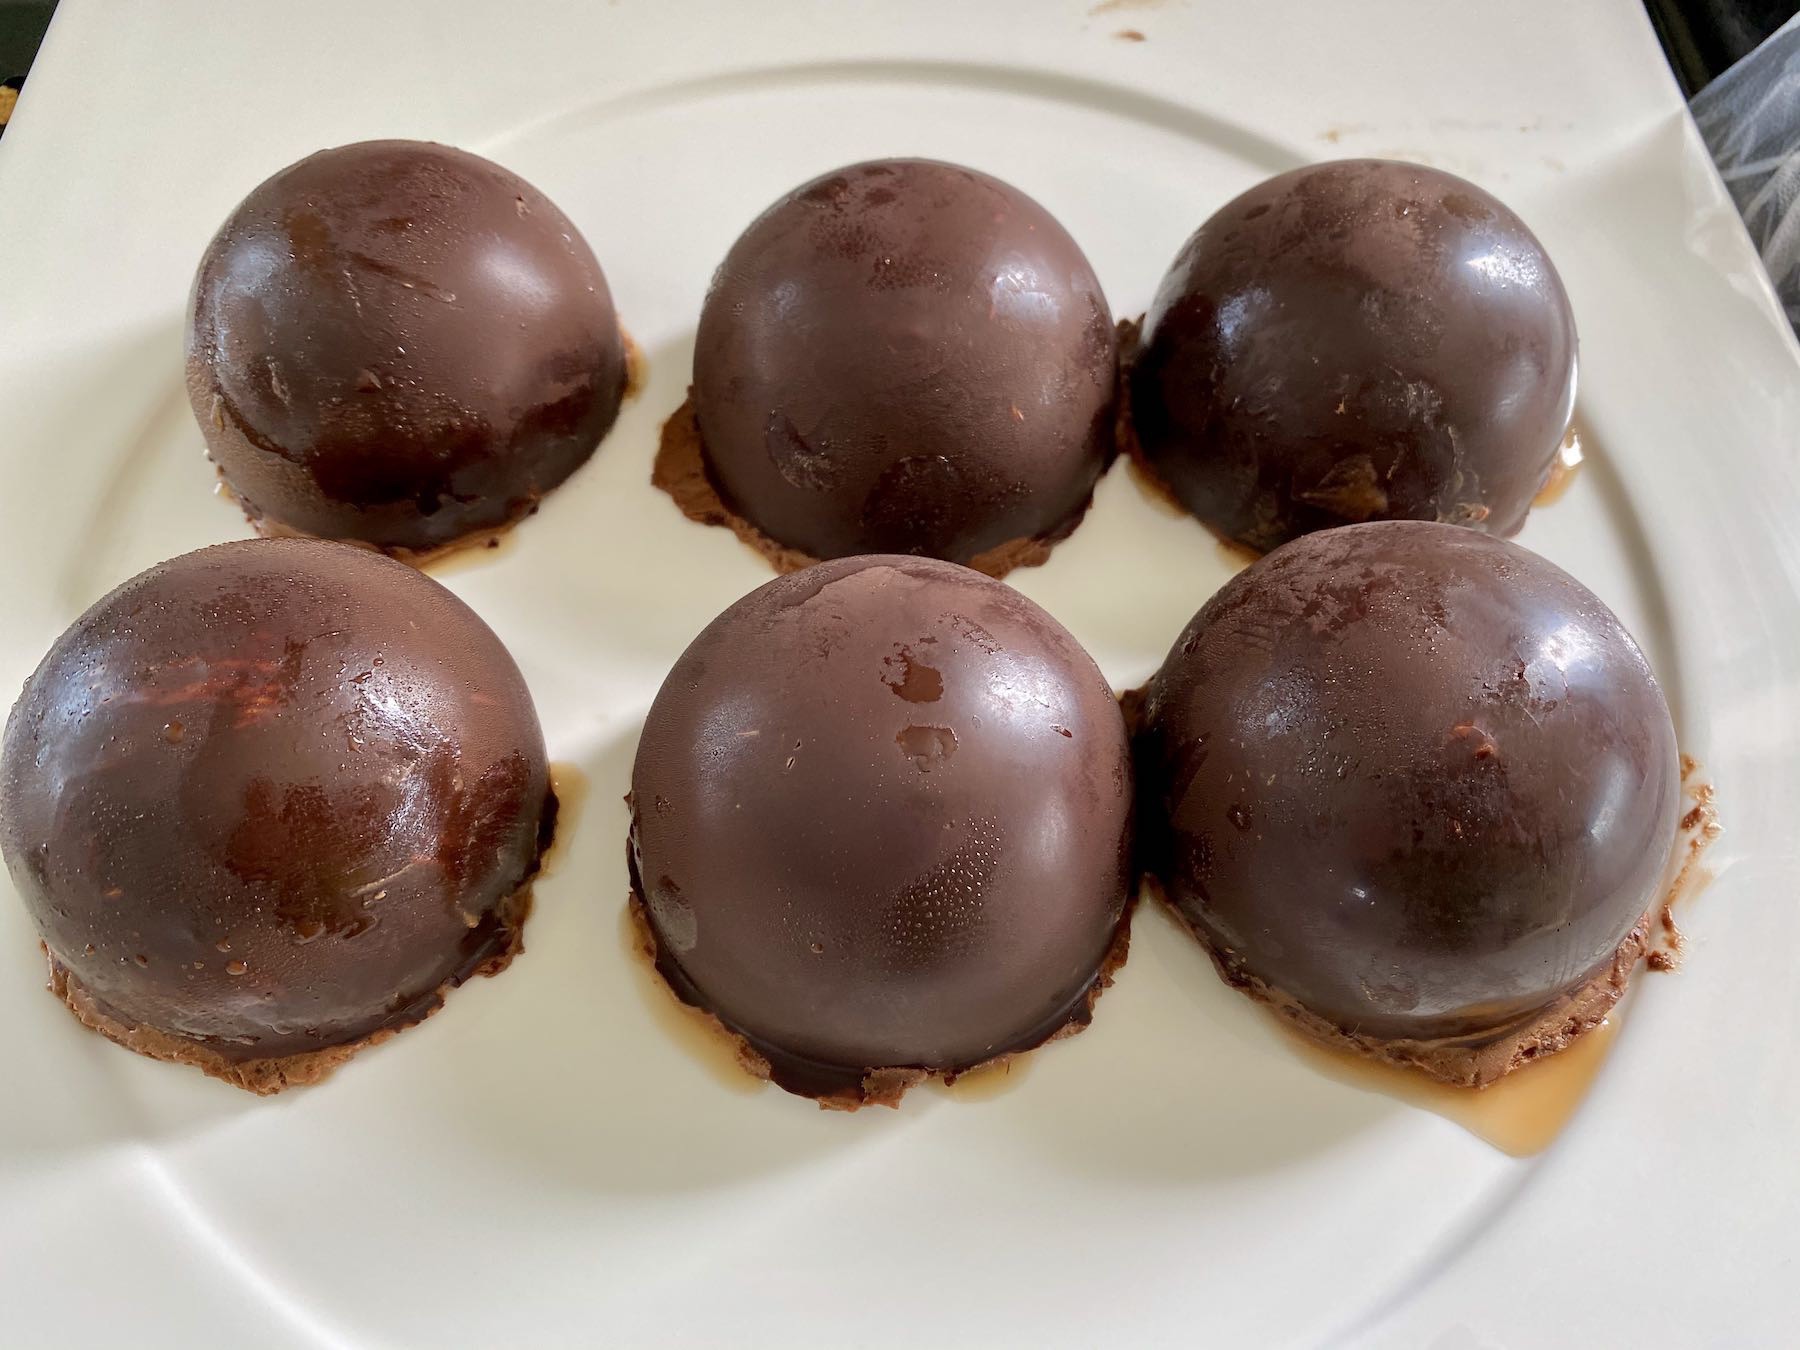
880 820
266 802
1359 340
1415 787
401 344
904 356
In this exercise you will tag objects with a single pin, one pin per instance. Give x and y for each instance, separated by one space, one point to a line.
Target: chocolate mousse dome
267 801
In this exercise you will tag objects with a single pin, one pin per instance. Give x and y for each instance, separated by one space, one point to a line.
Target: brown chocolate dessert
1358 340
1415 787
680 471
905 356
880 825
266 802
401 344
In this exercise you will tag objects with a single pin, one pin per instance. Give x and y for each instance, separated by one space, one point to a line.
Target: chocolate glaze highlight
268 800
1354 341
880 825
905 356
1413 785
400 343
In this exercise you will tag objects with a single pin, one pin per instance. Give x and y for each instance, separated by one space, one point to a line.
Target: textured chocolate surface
880 820
1413 778
270 797
400 343
1358 340
905 356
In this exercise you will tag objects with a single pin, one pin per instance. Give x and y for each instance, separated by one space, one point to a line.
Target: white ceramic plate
547 1162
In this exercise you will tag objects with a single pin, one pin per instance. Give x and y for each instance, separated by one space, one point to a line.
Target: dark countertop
22 25
1704 38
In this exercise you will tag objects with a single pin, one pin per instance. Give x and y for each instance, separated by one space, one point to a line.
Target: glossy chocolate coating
400 343
1359 340
267 796
880 819
905 356
1412 776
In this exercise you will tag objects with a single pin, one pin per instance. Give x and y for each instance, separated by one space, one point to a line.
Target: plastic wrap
1750 117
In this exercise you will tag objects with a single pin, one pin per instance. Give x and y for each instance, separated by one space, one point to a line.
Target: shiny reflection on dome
1507 268
1017 292
517 275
